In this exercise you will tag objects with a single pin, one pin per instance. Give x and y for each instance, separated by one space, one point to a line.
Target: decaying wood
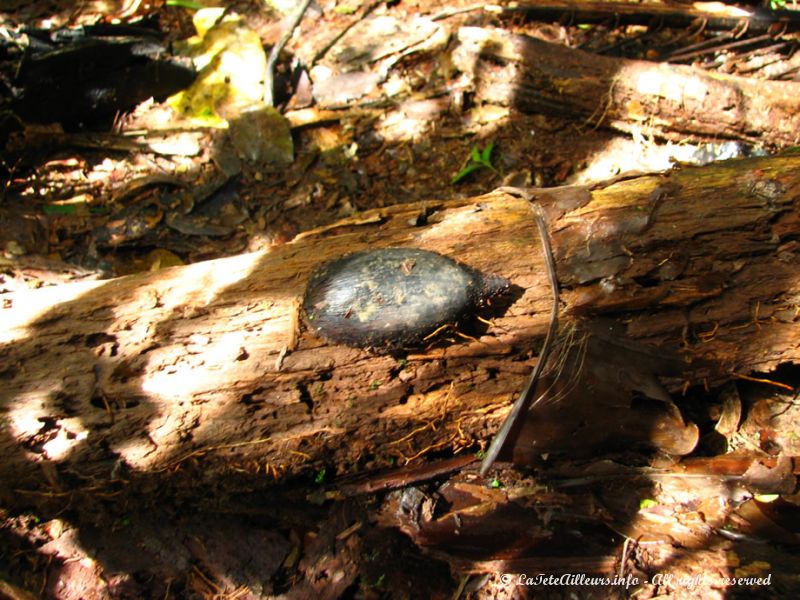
209 364
672 101
712 15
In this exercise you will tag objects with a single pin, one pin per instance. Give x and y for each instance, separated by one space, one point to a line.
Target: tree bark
671 101
666 15
210 364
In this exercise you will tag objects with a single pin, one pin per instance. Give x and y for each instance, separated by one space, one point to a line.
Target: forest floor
77 207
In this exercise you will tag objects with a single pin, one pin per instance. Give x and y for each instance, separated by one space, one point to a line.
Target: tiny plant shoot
479 159
185 4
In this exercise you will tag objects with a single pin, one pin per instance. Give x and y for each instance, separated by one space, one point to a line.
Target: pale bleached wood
654 99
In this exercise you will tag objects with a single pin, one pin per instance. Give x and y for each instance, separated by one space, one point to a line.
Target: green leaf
486 155
645 503
464 172
478 159
320 476
344 9
185 4
766 497
60 209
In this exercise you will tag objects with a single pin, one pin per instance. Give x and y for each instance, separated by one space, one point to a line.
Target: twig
529 393
269 73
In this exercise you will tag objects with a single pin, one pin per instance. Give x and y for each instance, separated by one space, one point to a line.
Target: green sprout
478 159
185 4
319 478
495 484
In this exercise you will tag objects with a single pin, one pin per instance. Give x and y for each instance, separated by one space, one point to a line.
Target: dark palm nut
393 297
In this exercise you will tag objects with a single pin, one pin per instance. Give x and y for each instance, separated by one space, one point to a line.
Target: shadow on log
144 373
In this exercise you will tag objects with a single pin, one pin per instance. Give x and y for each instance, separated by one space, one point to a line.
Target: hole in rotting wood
251 398
100 401
305 397
96 339
647 281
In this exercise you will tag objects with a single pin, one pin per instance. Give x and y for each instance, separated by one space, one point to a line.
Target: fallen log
712 15
670 101
207 370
